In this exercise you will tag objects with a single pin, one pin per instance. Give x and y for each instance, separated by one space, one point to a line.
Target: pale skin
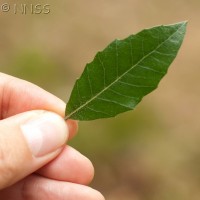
57 175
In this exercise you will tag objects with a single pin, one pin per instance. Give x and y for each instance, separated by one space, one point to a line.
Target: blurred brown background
152 153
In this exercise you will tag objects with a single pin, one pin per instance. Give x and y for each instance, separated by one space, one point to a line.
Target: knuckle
28 186
14 157
7 169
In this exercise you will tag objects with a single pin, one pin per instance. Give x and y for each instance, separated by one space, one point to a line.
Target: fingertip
73 127
45 133
69 166
89 171
100 196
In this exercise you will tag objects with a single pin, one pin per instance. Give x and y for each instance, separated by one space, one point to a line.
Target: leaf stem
66 118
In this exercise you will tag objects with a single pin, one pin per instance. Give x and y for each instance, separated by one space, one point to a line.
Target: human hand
35 163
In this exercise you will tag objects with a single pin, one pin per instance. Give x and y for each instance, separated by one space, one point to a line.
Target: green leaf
124 72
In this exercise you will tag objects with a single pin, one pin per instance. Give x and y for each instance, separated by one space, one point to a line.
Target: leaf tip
182 23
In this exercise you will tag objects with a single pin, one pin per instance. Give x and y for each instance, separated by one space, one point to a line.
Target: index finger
17 96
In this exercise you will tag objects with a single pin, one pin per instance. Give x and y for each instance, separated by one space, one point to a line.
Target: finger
17 96
73 128
29 141
39 188
70 166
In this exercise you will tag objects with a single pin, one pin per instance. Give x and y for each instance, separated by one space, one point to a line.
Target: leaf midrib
107 87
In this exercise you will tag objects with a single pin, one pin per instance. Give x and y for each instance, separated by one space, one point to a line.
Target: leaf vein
138 86
78 90
150 69
104 70
89 81
117 62
115 92
131 45
133 76
114 102
97 111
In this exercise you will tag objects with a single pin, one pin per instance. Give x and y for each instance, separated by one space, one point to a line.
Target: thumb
28 141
